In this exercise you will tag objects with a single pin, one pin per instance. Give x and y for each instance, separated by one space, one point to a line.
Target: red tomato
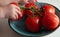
15 3
50 21
45 9
32 24
31 6
29 12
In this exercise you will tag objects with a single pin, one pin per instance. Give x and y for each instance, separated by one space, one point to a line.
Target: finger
18 8
19 12
13 17
14 6
16 15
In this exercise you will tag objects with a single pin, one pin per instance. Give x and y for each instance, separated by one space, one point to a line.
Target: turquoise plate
19 26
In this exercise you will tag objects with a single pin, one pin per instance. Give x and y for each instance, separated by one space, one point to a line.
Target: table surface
6 31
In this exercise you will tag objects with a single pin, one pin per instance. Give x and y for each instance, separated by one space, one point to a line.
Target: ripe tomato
29 12
31 6
15 3
32 24
50 21
45 9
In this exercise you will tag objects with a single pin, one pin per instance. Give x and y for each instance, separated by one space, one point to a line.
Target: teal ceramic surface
19 26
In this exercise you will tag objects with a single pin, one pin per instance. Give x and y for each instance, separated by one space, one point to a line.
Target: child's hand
11 11
27 1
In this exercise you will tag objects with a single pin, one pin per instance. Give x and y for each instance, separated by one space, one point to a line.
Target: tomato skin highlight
47 9
32 24
50 21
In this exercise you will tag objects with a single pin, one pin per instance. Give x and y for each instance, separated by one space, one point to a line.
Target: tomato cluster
40 17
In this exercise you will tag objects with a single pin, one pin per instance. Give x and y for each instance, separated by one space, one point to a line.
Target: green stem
33 10
32 13
38 12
